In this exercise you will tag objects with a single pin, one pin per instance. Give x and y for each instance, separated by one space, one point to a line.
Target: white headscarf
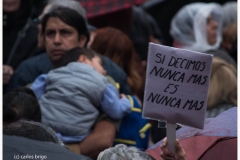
188 26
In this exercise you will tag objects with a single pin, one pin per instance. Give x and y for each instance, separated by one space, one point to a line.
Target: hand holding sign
176 86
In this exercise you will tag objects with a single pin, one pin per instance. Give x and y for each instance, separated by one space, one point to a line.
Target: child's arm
115 107
39 85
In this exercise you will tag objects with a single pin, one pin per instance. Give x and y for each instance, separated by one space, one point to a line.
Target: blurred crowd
74 71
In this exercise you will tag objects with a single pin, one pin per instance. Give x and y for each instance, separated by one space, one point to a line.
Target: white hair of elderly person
189 26
123 152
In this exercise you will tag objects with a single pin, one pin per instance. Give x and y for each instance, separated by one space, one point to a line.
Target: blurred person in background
229 42
222 93
229 13
229 35
115 45
198 27
19 35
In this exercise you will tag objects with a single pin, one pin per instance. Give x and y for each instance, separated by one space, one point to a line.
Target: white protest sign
176 87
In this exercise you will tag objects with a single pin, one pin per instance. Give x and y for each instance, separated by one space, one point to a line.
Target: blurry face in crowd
60 37
11 5
95 62
211 28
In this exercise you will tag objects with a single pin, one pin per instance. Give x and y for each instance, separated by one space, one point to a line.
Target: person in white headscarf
198 27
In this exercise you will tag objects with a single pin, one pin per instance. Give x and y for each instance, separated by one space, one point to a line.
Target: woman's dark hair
70 17
21 104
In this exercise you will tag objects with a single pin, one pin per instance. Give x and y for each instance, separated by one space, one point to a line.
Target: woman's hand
168 155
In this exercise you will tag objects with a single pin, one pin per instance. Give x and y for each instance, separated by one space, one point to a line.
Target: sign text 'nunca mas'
176 85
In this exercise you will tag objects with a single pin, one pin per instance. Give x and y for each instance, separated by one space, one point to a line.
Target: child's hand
123 96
